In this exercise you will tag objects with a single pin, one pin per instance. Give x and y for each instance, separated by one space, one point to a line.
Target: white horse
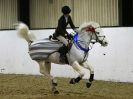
88 33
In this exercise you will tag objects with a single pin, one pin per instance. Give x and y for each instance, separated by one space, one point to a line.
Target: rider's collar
75 38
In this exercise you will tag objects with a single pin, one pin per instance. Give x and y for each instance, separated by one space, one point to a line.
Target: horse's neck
76 51
82 43
85 37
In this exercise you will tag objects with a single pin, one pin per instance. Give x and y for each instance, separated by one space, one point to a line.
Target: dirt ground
38 87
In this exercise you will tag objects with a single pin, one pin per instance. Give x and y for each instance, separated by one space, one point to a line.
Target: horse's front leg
45 68
89 67
76 66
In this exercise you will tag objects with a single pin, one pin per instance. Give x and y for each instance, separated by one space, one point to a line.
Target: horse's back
41 49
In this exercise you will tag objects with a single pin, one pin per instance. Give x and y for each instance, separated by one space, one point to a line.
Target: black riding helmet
66 10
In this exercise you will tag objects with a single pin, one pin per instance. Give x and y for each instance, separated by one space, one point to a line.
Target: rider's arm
71 23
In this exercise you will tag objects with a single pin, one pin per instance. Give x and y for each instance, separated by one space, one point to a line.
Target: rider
61 33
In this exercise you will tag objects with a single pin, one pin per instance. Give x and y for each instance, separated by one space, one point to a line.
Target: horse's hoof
88 84
56 92
72 81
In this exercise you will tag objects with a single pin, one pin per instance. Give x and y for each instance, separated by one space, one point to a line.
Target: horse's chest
77 55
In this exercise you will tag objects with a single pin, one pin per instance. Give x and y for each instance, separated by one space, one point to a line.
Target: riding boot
63 51
69 46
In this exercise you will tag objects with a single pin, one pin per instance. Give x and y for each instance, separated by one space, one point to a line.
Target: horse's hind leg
53 80
89 67
45 68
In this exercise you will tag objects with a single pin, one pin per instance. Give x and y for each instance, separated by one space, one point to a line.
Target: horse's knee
78 68
81 74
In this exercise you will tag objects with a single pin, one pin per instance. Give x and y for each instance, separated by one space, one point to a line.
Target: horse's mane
85 24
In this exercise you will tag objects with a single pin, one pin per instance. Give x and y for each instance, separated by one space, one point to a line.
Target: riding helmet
66 10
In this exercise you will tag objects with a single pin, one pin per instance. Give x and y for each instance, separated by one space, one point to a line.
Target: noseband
97 38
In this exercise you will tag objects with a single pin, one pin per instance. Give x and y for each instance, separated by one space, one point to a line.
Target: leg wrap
91 77
78 79
75 80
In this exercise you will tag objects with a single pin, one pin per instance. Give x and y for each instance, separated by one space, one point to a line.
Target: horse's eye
97 32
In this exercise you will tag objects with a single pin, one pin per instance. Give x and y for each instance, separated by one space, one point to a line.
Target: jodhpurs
63 40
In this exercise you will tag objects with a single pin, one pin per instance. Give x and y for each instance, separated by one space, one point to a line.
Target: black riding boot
63 51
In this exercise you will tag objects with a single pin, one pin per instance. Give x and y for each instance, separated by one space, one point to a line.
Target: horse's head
93 30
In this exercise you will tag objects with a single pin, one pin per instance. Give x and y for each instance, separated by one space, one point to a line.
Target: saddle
63 50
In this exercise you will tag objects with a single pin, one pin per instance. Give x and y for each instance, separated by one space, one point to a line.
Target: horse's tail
24 32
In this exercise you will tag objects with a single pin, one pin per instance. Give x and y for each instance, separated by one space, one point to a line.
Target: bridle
92 30
97 38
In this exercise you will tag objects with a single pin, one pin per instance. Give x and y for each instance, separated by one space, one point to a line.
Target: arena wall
111 63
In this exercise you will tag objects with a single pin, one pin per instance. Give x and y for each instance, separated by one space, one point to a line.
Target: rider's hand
75 30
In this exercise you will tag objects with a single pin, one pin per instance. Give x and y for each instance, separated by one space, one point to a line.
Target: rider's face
66 15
